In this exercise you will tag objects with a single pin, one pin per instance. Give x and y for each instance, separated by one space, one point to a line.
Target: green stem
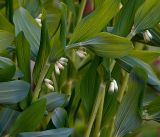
123 87
82 7
112 127
95 108
99 116
40 81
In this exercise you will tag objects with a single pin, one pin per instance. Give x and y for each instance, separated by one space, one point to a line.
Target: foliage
79 68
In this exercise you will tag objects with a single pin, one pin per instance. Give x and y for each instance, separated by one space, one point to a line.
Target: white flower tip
46 80
147 36
111 87
63 59
60 66
115 85
57 69
50 87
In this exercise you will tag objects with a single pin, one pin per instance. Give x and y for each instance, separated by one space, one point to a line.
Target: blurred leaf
146 16
13 91
23 56
5 24
107 45
7 118
128 62
25 22
44 50
33 6
59 117
30 118
61 132
129 113
125 17
7 69
96 21
146 56
6 39
89 86
55 100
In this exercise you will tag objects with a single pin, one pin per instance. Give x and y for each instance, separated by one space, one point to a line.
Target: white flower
38 19
113 86
49 84
81 53
147 36
59 65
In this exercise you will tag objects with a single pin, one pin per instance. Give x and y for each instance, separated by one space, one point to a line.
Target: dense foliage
79 68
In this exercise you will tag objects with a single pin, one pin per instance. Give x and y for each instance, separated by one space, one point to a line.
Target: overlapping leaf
13 91
129 113
96 21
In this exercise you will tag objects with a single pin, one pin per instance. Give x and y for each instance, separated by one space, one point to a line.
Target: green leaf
44 50
30 118
55 100
25 22
7 118
7 69
5 24
146 56
96 21
53 15
13 91
23 56
6 39
129 113
33 6
61 132
125 19
146 16
128 63
59 117
107 45
89 86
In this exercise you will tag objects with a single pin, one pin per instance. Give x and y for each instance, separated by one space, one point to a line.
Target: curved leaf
96 21
13 91
30 118
146 16
107 45
129 113
25 22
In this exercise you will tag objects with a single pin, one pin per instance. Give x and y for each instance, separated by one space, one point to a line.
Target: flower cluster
147 36
81 52
38 19
59 65
49 84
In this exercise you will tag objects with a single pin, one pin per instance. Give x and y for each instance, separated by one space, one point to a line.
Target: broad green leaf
89 86
23 56
129 113
7 69
128 63
25 22
13 91
59 117
33 6
44 50
61 132
7 118
6 39
53 15
125 19
30 118
146 56
5 24
96 21
55 100
146 16
106 45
